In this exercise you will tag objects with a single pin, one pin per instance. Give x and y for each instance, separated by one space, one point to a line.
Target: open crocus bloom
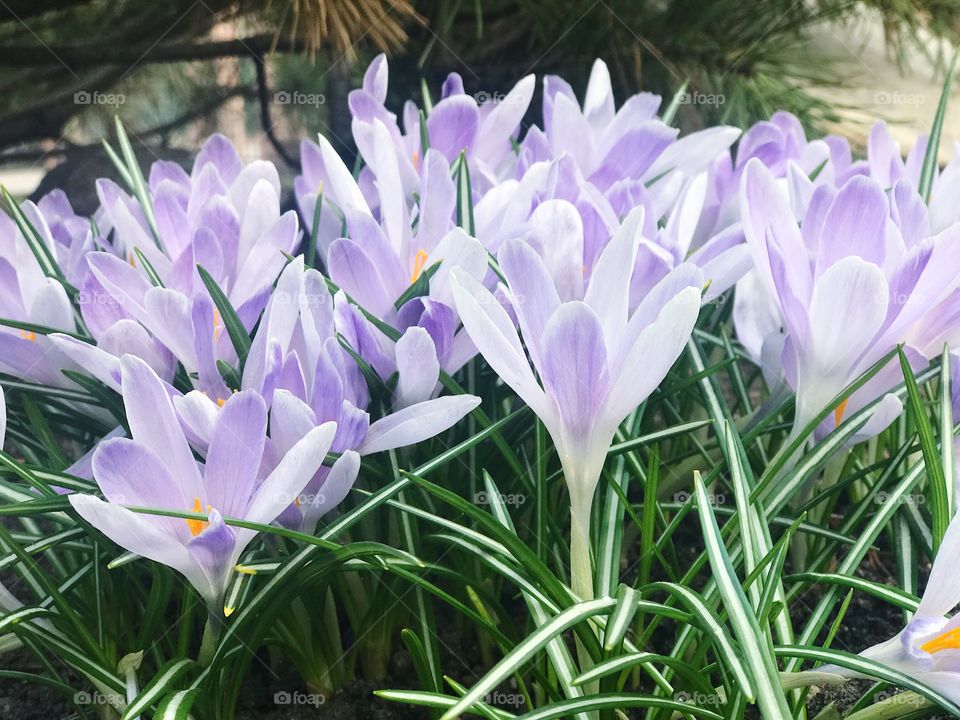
849 253
928 648
597 361
156 468
308 379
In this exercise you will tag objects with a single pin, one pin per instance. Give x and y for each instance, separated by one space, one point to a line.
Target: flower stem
581 571
208 644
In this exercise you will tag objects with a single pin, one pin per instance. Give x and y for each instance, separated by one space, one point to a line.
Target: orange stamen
28 335
840 410
217 327
949 640
197 526
416 159
132 259
419 261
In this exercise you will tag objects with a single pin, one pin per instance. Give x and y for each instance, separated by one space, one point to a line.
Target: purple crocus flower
156 468
848 253
28 295
224 216
307 378
597 361
617 149
480 127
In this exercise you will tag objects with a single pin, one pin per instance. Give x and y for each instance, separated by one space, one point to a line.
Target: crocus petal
235 451
452 125
335 487
609 290
652 355
493 333
943 585
418 367
153 422
129 473
532 292
574 370
139 534
215 551
289 478
417 423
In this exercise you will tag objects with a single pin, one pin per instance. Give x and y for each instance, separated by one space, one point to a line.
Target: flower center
949 640
419 261
197 526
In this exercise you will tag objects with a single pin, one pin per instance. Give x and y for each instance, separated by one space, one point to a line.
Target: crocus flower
617 149
156 468
224 216
848 254
597 360
482 128
28 295
307 378
927 648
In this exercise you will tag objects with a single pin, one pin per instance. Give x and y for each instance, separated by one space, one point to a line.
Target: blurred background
267 73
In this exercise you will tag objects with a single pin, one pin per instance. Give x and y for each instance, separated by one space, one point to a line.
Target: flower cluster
261 354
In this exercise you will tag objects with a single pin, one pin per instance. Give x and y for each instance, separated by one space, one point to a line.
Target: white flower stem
581 570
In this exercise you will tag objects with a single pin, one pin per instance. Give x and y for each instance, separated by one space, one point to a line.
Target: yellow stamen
419 261
949 640
28 335
416 159
132 259
839 411
222 401
217 327
245 570
228 611
197 526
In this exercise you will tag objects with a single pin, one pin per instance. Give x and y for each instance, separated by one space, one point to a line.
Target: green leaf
525 650
753 642
936 481
162 683
929 168
615 701
235 329
671 112
177 706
